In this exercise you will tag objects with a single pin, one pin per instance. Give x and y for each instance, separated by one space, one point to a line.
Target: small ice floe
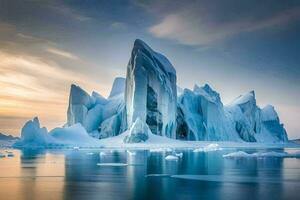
76 148
242 154
113 164
102 153
180 155
171 157
210 147
2 155
131 153
90 153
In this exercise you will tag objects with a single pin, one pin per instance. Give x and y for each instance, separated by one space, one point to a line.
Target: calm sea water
75 175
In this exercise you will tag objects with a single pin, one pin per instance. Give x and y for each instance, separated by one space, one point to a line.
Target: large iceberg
146 103
151 91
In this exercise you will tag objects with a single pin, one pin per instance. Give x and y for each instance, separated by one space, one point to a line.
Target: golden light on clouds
34 86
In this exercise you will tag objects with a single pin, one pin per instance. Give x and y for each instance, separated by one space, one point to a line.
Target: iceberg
254 124
151 91
33 134
148 104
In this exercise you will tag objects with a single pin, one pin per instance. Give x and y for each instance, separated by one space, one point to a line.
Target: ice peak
138 43
118 86
160 60
248 97
36 121
207 92
269 113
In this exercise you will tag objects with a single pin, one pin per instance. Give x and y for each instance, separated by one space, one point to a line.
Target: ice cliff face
254 124
201 116
118 87
150 93
99 116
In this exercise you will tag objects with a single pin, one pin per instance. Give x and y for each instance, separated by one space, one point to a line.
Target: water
75 175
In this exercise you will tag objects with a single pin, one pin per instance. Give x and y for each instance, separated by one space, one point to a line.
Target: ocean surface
119 174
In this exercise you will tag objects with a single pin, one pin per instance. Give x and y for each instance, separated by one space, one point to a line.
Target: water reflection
76 175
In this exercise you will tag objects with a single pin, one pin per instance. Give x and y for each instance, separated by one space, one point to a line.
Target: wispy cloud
62 53
32 85
191 27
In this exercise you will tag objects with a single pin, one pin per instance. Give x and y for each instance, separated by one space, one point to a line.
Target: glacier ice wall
151 90
99 116
254 124
201 116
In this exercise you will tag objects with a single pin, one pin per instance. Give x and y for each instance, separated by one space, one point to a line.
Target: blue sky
235 46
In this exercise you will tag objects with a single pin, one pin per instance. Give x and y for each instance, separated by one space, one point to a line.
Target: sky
235 46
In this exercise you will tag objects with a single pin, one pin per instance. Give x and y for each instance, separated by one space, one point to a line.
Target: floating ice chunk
180 155
76 148
102 154
171 157
113 164
242 154
90 153
210 147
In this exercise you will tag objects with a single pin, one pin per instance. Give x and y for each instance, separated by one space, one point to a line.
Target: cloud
119 26
32 85
62 53
197 26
